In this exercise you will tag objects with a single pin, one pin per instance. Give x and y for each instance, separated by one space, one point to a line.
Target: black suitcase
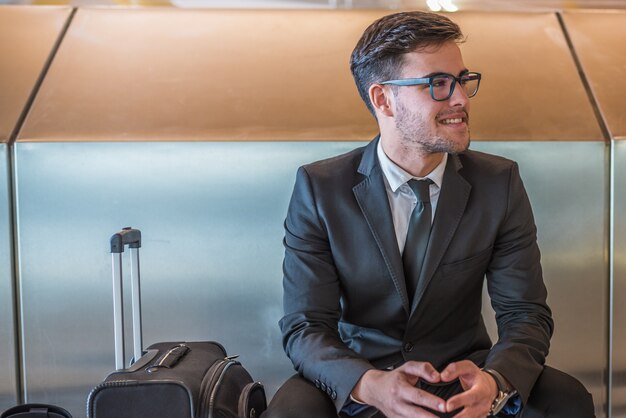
35 410
171 379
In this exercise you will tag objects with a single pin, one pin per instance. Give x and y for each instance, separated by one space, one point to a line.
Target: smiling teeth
448 121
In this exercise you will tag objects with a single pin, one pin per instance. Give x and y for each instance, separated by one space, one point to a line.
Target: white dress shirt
402 200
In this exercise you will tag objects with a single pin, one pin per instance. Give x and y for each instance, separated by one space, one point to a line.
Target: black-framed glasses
442 84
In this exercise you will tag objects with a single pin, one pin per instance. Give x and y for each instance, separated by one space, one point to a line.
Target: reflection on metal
598 38
27 35
203 75
212 251
273 75
474 5
439 5
213 241
524 99
585 80
8 382
572 239
618 373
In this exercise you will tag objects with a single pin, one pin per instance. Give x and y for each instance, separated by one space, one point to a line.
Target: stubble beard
416 135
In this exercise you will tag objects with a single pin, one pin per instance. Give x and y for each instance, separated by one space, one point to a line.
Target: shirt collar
396 176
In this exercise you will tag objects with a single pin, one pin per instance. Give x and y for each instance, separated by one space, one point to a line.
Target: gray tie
417 234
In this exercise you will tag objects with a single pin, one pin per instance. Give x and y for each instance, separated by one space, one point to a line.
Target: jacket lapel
453 198
374 203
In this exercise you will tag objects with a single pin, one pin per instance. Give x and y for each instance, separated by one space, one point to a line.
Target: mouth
454 119
451 121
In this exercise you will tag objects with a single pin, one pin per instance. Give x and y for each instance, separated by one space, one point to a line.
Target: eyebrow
464 71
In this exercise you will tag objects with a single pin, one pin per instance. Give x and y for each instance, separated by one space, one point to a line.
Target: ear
381 98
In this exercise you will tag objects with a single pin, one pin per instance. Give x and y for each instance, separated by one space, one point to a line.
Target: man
387 247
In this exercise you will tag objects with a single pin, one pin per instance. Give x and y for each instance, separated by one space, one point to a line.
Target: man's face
422 122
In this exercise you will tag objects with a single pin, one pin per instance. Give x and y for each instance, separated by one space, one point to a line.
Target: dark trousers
555 395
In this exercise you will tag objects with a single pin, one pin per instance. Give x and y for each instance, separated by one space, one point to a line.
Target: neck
411 159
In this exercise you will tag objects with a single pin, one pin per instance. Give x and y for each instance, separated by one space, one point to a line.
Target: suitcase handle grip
127 236
171 358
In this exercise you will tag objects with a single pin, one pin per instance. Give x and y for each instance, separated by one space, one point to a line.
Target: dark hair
378 54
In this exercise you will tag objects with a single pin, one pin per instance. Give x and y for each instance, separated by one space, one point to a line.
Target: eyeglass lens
442 85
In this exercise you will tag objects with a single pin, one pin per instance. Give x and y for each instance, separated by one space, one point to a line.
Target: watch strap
505 391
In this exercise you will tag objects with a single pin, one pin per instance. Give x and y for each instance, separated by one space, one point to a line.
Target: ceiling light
448 6
434 5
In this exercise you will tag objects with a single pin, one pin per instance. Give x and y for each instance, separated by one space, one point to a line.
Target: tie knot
421 189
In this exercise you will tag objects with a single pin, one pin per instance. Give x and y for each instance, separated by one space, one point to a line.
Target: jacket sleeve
518 295
311 300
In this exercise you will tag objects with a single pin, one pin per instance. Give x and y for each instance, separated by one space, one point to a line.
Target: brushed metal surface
8 385
27 35
566 184
167 75
212 221
619 290
599 41
531 89
212 214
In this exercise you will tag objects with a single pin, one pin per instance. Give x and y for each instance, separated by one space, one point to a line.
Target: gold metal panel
163 74
598 38
27 35
531 89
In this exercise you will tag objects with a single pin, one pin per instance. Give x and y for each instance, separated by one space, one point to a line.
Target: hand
479 389
394 392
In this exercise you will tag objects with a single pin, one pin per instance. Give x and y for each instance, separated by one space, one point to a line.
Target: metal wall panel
274 75
598 38
567 186
211 256
619 284
198 75
520 98
212 252
27 35
8 384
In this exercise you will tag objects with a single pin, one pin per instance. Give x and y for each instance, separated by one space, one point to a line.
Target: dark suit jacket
345 299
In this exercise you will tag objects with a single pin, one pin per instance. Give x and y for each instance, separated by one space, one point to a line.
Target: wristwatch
505 392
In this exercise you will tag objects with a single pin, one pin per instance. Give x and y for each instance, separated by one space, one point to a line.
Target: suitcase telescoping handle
132 238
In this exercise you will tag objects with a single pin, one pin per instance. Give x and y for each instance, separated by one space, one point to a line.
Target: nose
459 97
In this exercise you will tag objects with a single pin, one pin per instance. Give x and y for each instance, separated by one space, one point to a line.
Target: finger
462 400
423 414
420 370
472 413
419 397
459 369
409 402
471 406
412 411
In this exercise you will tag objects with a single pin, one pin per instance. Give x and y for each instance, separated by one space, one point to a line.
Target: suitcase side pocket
252 401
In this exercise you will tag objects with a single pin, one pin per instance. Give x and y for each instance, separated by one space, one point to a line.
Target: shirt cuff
513 406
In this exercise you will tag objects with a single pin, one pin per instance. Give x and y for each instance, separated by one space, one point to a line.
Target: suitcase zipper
209 386
104 385
245 409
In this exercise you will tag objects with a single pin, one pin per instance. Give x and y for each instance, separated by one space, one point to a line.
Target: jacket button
408 347
317 383
323 387
333 396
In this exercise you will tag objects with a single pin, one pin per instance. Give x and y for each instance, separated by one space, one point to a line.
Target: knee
576 400
557 394
298 398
